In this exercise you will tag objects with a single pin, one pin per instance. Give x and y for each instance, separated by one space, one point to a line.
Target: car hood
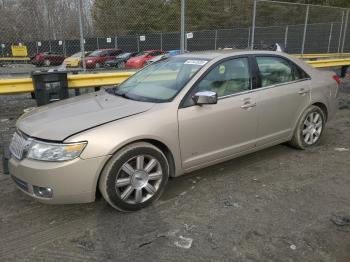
94 58
72 59
137 58
59 120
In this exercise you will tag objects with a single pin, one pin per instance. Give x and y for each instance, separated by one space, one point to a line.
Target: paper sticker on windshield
222 69
196 62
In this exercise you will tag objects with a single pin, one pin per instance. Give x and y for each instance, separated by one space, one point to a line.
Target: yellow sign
19 50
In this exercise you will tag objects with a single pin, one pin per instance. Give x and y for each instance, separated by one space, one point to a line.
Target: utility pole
182 35
253 25
305 29
81 31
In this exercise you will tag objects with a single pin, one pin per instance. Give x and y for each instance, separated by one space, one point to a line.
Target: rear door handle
303 91
248 105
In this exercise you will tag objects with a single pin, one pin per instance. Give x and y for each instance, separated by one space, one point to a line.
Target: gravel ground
273 205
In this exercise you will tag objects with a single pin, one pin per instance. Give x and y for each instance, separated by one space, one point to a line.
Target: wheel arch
321 105
162 146
323 108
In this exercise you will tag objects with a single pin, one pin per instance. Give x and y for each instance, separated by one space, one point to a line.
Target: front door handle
248 105
303 91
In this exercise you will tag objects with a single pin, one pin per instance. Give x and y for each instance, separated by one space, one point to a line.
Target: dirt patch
273 205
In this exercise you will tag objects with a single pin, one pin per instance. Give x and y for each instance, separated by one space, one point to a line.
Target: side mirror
205 98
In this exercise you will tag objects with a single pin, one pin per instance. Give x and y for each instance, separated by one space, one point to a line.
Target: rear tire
134 177
309 129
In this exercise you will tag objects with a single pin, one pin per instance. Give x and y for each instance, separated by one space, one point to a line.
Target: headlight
54 152
89 61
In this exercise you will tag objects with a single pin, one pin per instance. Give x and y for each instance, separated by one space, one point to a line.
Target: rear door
284 93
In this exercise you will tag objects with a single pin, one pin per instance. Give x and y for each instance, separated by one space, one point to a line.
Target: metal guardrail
14 59
305 56
12 86
324 63
317 56
24 85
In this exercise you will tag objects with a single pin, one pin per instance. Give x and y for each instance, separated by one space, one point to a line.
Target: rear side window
275 70
155 53
299 73
103 53
114 52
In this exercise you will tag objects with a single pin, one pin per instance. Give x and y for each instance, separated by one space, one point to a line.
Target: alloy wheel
138 179
312 129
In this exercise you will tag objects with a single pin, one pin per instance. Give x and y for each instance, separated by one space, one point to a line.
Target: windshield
141 53
77 55
125 55
161 81
96 53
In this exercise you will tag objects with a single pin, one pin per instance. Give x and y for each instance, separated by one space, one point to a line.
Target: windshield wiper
124 95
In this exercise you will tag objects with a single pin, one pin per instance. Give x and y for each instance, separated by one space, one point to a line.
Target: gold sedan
175 116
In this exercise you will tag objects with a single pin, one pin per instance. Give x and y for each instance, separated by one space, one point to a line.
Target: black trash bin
50 86
5 160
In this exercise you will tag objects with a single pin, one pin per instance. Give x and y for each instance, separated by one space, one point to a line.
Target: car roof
107 49
209 55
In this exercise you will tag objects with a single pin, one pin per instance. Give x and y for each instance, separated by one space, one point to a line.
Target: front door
209 133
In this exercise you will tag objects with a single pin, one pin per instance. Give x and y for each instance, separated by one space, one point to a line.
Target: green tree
113 17
130 16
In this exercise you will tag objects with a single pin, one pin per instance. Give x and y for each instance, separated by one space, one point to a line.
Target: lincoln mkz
175 116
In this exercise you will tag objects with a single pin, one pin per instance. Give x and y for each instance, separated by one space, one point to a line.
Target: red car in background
141 57
47 59
98 57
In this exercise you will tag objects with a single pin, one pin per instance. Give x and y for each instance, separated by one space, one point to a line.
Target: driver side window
227 78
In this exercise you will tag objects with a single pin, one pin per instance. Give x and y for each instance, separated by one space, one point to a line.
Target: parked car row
47 59
75 60
107 58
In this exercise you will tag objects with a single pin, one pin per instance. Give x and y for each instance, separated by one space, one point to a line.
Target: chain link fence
52 28
301 28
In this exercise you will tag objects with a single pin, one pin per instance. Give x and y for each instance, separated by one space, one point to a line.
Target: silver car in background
175 116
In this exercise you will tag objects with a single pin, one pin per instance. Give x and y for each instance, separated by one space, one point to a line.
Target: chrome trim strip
263 88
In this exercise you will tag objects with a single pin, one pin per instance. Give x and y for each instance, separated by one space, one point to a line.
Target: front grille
18 145
21 184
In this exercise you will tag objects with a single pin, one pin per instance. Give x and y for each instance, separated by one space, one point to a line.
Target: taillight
337 79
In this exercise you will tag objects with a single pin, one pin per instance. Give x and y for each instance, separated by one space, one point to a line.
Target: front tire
47 62
121 65
309 128
134 177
